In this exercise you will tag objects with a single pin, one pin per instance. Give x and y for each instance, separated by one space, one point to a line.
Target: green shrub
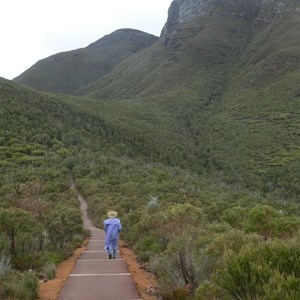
270 223
26 261
206 291
144 256
235 216
20 286
77 240
177 294
149 244
52 257
50 271
269 270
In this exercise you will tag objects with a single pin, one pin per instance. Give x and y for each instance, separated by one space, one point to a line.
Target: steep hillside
200 42
193 139
227 74
27 115
259 112
218 92
68 71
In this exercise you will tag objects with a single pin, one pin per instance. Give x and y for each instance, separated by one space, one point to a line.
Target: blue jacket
112 228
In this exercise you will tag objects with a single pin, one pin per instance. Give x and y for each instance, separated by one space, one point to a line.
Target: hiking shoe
109 256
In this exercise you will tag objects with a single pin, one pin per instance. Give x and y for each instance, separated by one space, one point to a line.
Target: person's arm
104 226
120 226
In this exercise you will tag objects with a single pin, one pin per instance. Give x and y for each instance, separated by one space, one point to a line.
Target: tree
177 218
32 193
62 223
14 221
179 227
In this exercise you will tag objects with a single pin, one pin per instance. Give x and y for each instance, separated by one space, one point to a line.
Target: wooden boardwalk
95 277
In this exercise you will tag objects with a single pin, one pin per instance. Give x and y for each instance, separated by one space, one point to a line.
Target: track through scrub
95 276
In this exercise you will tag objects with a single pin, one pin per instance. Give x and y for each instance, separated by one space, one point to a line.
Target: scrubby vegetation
195 228
40 223
194 142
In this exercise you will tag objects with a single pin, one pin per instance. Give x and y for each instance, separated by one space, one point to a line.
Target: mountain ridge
194 140
212 87
66 72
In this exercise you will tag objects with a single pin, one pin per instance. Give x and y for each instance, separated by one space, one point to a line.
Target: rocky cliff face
183 13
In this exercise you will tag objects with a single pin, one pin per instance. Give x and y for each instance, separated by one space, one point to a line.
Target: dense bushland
194 141
184 225
40 222
189 230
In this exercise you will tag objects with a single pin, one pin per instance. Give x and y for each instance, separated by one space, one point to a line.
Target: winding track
95 277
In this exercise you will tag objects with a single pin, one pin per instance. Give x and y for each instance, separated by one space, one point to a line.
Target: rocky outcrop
182 13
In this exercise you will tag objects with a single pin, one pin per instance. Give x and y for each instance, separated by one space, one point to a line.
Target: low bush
50 271
269 270
52 257
17 285
26 261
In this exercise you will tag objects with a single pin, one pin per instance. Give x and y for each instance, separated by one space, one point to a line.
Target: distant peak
126 34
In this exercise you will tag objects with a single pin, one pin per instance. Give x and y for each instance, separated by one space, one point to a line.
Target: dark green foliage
266 271
206 120
16 223
178 294
270 223
235 216
50 271
17 285
62 224
34 177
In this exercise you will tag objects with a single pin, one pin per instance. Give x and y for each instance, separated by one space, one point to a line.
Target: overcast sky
35 29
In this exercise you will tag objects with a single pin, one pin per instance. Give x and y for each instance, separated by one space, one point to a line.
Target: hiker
112 227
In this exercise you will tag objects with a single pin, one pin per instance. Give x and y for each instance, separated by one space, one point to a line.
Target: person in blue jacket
112 227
